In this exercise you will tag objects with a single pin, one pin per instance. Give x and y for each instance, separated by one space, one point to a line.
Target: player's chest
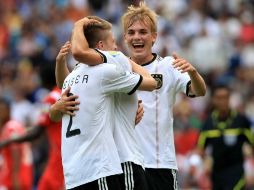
165 80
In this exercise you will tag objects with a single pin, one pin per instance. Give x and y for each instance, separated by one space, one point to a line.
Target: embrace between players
109 140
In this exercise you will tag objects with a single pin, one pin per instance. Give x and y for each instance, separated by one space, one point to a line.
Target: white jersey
125 112
155 130
88 148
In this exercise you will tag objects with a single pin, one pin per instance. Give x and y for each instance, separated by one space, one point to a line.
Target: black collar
149 62
154 57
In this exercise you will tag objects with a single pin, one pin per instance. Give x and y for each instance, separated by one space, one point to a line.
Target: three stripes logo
102 183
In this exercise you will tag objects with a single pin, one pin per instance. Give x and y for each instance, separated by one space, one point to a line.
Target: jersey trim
188 90
149 62
154 57
128 175
104 58
102 183
136 87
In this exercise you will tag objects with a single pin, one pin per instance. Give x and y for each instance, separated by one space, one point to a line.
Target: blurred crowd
216 36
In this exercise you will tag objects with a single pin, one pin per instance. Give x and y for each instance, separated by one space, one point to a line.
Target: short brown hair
141 12
97 31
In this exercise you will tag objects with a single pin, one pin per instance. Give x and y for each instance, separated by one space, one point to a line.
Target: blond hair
142 13
97 31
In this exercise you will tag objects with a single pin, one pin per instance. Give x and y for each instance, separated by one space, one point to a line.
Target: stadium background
216 36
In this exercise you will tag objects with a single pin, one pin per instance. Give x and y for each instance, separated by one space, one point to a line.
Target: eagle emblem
159 79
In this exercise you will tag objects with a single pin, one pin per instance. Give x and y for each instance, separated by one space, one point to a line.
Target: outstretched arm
61 69
198 86
80 47
31 134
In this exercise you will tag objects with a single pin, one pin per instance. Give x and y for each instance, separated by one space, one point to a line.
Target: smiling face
140 32
140 39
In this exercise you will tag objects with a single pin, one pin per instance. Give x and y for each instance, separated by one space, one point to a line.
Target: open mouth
138 45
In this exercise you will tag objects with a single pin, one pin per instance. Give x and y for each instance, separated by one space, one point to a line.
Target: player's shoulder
118 59
208 123
109 56
110 53
168 60
243 120
165 63
108 69
111 71
115 53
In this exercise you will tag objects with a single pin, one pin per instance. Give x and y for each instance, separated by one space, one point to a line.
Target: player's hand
85 22
140 112
182 65
65 49
67 104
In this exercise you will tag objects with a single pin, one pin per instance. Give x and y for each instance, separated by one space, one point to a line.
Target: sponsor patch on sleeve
114 53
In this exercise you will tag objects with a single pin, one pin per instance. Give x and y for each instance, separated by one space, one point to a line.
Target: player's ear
124 37
154 36
100 45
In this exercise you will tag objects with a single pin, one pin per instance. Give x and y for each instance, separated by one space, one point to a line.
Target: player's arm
148 83
67 104
31 134
197 86
61 69
80 48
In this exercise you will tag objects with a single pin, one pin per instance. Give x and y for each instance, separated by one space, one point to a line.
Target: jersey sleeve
247 130
117 80
182 80
104 58
117 58
118 75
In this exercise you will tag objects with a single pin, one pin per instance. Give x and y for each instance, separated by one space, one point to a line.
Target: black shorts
229 178
161 179
133 177
104 183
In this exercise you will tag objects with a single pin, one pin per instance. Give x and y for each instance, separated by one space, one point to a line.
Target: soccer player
225 131
174 74
16 168
125 110
83 135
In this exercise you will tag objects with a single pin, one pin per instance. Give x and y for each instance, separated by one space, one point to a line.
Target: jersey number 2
70 132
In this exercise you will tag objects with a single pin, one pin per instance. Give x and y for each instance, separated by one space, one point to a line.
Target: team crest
159 79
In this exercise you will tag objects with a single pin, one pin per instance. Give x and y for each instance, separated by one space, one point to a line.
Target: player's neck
143 60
